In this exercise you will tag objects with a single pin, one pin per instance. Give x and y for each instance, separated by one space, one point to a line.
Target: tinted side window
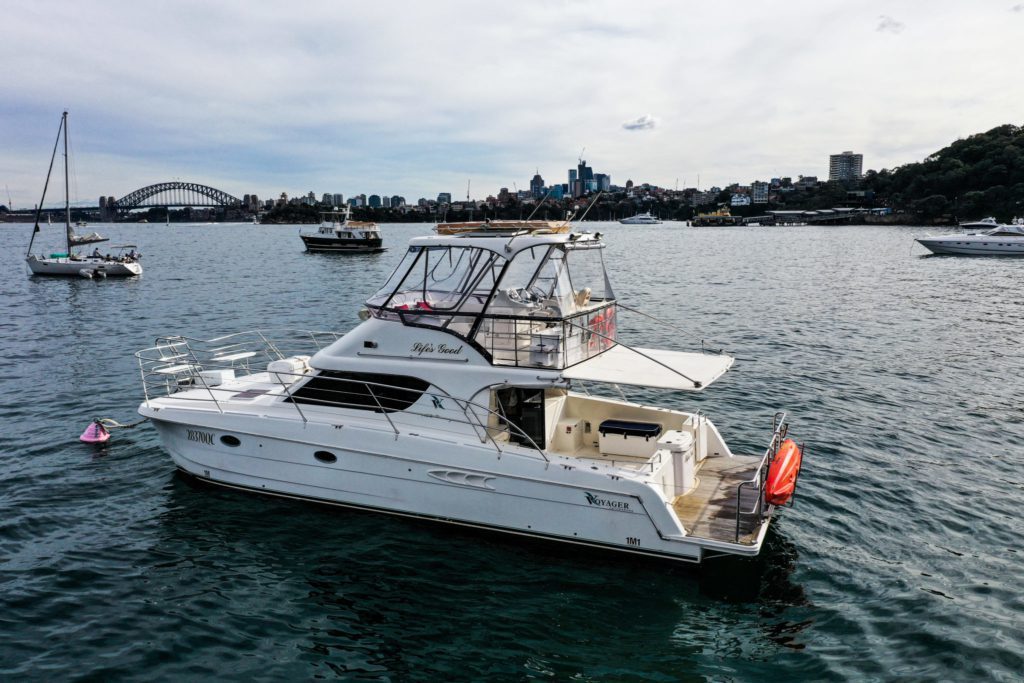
361 391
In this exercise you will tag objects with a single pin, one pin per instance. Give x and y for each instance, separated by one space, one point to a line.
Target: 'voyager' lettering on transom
619 505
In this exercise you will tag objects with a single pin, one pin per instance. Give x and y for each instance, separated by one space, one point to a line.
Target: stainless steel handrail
779 429
200 354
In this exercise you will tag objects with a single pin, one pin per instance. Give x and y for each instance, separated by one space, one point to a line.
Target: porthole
229 440
325 457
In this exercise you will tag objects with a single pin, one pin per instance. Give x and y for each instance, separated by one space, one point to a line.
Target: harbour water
901 558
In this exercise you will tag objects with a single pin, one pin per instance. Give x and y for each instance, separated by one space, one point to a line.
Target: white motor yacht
641 219
464 397
1002 240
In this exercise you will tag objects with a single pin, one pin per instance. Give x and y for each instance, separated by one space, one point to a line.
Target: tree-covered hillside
982 175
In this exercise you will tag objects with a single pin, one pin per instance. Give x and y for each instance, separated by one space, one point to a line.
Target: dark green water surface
901 559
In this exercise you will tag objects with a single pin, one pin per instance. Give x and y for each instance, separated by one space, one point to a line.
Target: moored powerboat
461 398
338 234
641 219
1002 240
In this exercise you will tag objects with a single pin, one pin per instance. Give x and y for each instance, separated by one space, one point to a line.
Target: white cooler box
622 437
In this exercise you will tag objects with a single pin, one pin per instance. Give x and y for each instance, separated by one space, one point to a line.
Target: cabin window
360 391
229 440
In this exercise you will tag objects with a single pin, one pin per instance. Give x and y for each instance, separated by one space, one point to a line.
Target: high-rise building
397 201
338 199
327 198
572 181
374 201
603 181
845 166
537 186
385 202
444 198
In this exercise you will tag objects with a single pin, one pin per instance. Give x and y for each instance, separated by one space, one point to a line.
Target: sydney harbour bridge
175 194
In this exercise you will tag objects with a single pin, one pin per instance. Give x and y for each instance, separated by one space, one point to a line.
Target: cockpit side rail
186 368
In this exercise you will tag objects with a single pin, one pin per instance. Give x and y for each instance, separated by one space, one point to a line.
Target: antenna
9 202
468 183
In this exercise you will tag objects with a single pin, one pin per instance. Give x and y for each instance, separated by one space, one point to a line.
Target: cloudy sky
417 98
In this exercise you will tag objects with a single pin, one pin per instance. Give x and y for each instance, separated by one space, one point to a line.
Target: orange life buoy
782 474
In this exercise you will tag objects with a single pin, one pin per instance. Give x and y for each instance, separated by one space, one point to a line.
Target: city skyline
345 98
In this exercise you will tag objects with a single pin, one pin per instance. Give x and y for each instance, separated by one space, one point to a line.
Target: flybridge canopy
652 368
520 299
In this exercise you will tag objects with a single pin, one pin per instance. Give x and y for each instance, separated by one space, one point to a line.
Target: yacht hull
971 245
317 243
82 267
434 478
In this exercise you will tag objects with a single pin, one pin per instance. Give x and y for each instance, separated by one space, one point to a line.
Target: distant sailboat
69 262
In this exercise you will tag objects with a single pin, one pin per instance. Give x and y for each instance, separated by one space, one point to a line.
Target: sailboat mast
49 171
67 191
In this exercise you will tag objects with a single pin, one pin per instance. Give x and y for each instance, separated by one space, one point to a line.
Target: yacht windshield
441 278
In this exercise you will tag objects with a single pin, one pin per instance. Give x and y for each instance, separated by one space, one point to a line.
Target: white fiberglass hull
433 477
86 266
974 245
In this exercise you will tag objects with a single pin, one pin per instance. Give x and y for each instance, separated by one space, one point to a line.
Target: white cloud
1019 7
887 24
417 98
645 122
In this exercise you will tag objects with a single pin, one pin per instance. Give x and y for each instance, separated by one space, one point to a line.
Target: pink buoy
95 433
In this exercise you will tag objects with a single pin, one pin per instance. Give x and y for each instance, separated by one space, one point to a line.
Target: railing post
377 401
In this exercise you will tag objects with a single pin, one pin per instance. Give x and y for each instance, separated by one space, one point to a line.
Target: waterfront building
374 201
845 166
327 199
572 182
603 182
740 200
337 199
444 198
385 202
759 192
397 201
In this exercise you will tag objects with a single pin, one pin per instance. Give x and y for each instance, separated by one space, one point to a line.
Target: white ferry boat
463 398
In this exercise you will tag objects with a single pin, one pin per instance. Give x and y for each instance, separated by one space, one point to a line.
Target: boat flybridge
465 397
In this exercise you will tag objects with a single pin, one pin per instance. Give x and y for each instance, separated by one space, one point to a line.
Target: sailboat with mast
69 262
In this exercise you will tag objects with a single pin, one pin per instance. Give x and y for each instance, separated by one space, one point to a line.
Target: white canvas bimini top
652 368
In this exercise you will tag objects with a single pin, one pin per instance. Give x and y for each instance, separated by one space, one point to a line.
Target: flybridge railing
542 340
779 430
195 370
177 362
